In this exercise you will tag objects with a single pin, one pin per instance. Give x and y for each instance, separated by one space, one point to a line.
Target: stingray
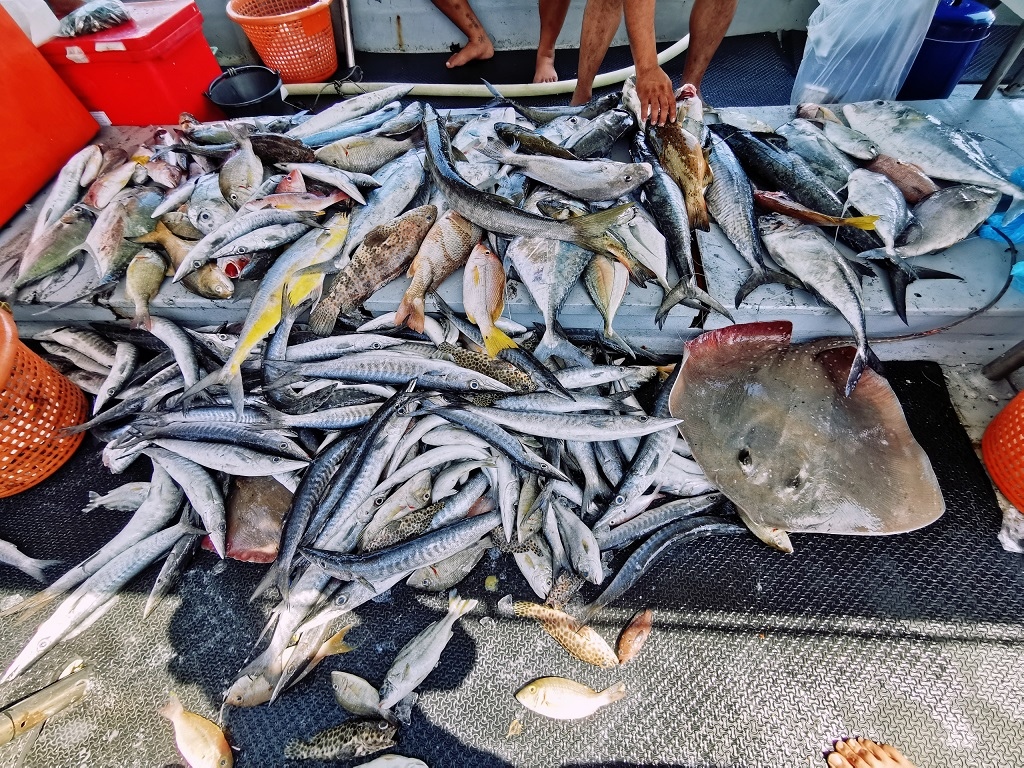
769 424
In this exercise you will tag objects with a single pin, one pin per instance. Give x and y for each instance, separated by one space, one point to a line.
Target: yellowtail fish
199 741
581 641
483 296
563 699
315 247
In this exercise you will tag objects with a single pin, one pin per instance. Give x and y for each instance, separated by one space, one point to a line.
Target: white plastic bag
860 49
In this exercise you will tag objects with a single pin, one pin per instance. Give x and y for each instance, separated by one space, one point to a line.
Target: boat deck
757 659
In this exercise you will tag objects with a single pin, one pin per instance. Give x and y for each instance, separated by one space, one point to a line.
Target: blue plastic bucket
956 32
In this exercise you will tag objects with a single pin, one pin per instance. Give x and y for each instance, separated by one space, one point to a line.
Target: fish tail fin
686 293
494 149
460 606
620 343
150 237
501 100
94 499
553 343
411 313
591 229
614 692
865 357
496 340
142 319
764 277
336 644
1016 209
323 318
699 218
861 222
173 708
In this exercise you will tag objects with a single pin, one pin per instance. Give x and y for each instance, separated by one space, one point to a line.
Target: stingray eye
744 457
795 482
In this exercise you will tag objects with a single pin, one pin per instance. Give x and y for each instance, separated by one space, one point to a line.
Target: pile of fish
412 444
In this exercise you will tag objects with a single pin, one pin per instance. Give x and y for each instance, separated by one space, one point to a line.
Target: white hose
517 90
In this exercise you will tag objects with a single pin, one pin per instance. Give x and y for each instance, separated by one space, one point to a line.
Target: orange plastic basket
1002 447
294 37
36 403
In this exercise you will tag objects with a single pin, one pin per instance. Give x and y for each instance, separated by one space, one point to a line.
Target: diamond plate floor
757 658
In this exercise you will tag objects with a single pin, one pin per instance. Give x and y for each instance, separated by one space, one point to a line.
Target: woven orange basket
1002 448
36 403
295 37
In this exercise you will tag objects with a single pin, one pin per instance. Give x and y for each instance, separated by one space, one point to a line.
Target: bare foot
864 753
579 98
545 72
478 48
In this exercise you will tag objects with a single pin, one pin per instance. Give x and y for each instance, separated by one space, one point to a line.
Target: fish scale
384 253
404 528
581 641
353 738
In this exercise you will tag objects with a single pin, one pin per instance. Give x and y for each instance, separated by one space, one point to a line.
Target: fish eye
376 345
620 499
378 501
276 459
642 419
628 177
879 103
532 689
383 725
474 384
744 457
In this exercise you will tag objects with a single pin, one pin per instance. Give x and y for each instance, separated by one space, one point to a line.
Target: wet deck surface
757 658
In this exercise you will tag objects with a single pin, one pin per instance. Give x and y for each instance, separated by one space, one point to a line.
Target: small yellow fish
199 741
581 641
483 297
564 699
145 274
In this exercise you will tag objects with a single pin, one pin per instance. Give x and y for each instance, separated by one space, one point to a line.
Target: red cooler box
144 72
43 123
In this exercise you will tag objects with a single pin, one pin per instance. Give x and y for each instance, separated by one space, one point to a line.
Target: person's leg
709 20
864 753
600 20
552 16
461 15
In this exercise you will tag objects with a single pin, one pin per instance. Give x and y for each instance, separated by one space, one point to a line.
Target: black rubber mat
729 81
757 658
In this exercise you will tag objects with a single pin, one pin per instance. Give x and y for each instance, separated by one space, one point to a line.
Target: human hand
654 91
